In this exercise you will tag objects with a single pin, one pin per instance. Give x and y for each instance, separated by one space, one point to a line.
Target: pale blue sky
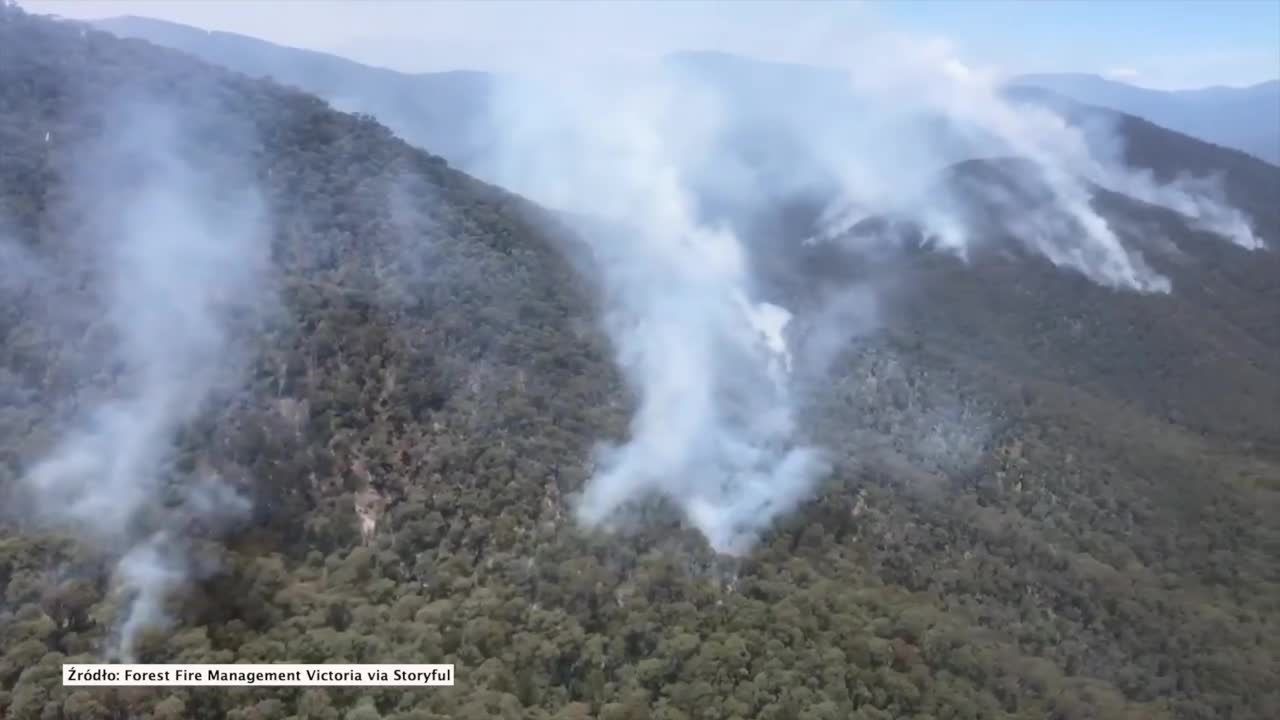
1155 43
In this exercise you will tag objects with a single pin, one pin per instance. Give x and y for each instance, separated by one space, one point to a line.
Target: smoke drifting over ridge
904 121
676 159
174 239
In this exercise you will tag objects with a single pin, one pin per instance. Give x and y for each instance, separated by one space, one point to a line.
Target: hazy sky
1155 43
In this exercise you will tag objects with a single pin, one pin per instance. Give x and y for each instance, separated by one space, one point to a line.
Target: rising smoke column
175 240
708 362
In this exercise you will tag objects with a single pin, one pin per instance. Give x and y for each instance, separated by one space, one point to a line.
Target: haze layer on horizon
1161 44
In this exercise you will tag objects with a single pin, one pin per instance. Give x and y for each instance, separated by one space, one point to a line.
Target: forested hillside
1047 498
437 111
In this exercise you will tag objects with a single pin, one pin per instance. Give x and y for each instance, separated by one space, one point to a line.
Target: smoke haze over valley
645 388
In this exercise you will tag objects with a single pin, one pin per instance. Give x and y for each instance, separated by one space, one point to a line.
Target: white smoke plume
176 240
674 157
708 359
919 108
1198 198
147 572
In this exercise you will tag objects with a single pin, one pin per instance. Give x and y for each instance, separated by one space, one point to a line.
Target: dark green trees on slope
416 417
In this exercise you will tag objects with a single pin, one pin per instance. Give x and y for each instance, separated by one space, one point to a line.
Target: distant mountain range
1246 118
431 110
443 111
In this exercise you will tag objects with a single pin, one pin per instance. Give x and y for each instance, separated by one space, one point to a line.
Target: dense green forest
1048 499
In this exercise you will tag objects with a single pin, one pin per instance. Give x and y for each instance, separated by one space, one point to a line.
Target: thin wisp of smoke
177 246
